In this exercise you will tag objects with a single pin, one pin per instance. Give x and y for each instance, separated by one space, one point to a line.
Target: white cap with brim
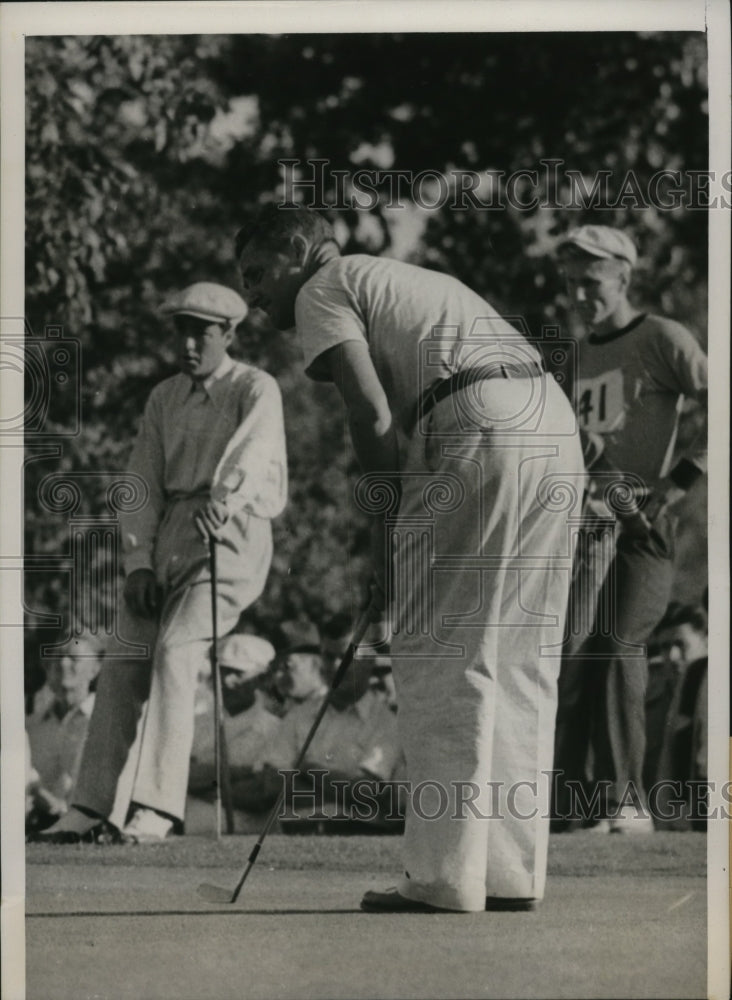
206 300
602 241
248 654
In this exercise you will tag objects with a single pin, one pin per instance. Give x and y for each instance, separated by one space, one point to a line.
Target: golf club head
214 893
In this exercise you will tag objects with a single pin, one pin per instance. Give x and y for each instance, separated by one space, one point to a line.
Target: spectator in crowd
355 742
335 635
372 671
35 682
249 723
57 729
296 631
634 371
371 674
211 453
298 678
683 642
663 675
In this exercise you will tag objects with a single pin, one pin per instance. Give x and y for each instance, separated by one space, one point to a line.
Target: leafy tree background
145 152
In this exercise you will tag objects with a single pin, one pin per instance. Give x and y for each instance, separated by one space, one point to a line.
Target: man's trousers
141 731
483 556
615 604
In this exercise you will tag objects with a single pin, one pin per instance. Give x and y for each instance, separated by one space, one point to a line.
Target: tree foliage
144 153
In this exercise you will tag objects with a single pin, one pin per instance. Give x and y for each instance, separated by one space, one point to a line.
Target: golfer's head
277 251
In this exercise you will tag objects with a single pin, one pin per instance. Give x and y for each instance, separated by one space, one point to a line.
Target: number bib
600 402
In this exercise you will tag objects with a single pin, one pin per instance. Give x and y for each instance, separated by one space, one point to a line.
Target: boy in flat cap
211 451
635 370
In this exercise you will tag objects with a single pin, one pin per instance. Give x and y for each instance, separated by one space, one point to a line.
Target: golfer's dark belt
467 376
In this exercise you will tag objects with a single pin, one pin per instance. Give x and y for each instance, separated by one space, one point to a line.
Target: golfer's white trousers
484 543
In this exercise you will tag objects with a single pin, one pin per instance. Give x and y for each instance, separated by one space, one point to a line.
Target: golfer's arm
369 415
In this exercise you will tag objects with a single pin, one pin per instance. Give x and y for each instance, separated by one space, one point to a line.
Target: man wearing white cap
211 451
635 370
248 721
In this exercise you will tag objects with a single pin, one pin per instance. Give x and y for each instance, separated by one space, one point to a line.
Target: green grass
580 853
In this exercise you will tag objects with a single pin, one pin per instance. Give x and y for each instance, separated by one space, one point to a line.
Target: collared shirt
359 740
56 745
222 438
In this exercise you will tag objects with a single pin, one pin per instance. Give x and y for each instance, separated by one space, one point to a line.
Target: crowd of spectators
270 700
350 780
345 782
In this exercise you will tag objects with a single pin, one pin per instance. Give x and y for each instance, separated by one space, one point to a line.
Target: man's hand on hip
210 520
141 593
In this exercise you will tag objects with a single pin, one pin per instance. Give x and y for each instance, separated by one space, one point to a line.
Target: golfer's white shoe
601 826
146 827
631 820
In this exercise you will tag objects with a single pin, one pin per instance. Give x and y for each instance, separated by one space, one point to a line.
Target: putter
221 759
217 894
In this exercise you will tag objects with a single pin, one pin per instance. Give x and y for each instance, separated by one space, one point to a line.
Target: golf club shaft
221 761
339 675
225 778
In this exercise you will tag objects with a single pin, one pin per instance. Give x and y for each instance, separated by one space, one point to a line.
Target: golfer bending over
485 464
211 451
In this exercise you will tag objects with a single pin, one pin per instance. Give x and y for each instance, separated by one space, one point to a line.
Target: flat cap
206 300
602 241
249 654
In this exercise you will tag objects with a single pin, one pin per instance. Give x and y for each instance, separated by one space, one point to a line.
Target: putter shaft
215 894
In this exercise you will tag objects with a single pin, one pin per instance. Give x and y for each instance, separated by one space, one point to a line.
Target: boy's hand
211 519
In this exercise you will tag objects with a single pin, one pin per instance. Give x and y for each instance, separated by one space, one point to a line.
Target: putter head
215 894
